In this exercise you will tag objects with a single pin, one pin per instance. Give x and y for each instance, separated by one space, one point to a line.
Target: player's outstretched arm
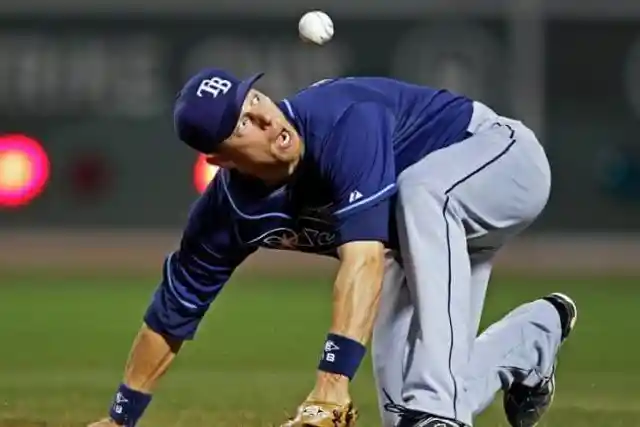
356 293
192 278
360 167
358 163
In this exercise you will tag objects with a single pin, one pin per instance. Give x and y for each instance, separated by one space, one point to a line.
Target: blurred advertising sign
116 73
95 85
101 68
106 86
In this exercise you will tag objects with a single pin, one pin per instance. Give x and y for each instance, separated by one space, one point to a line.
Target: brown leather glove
323 414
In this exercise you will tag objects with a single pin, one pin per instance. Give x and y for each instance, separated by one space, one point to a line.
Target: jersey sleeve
360 167
196 272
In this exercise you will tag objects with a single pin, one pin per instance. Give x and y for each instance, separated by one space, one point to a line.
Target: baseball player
414 190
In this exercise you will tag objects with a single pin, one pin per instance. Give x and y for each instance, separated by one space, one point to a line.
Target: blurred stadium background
94 189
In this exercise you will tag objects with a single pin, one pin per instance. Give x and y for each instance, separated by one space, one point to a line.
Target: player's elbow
168 316
149 332
364 257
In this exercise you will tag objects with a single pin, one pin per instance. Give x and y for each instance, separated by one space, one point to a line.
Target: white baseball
315 27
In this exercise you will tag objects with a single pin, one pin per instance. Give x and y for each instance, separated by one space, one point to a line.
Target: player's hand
105 422
323 414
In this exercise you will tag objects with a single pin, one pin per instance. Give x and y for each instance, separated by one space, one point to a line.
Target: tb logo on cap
214 86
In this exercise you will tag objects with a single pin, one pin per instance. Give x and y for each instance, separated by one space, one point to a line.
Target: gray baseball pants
456 208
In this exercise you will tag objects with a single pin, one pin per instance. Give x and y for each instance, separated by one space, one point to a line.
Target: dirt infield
141 252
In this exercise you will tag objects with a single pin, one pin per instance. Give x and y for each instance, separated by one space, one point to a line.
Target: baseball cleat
523 405
412 418
567 310
426 420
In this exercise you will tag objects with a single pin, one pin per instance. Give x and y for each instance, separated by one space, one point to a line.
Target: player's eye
243 123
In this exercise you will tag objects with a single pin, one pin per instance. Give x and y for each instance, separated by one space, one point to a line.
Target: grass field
63 343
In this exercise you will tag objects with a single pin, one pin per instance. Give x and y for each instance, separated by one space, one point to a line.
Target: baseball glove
323 414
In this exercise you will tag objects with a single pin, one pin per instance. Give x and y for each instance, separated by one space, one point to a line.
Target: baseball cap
208 107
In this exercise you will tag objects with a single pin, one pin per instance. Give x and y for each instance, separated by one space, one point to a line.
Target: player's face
263 144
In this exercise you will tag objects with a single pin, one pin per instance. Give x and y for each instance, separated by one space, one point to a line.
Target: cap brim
244 88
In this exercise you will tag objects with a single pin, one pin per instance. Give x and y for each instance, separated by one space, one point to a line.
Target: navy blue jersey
359 134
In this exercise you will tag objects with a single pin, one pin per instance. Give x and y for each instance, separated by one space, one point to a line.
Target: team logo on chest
311 231
305 239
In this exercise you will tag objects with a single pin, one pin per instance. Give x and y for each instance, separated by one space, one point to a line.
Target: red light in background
24 170
203 173
90 178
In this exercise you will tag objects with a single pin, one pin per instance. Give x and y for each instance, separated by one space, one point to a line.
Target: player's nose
264 119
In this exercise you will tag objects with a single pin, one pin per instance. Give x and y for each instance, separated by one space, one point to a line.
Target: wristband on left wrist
341 355
128 406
